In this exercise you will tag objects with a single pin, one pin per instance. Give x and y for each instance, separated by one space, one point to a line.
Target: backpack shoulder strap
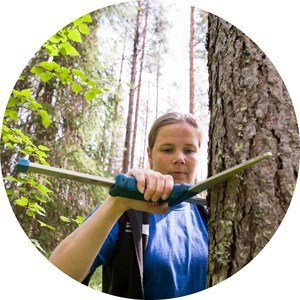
203 212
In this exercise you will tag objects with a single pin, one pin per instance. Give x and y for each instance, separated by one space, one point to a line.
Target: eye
190 151
167 149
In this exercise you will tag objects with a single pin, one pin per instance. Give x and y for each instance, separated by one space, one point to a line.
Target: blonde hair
172 118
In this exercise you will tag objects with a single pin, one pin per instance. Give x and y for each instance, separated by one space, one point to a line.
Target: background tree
69 107
192 71
139 85
126 153
251 113
57 86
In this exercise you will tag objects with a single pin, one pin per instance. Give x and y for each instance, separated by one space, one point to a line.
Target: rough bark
251 113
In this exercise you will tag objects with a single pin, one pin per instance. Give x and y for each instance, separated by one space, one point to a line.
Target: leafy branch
28 194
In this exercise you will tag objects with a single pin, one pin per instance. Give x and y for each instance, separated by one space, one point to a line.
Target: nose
179 159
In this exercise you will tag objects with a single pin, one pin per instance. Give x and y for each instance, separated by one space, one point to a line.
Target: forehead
182 133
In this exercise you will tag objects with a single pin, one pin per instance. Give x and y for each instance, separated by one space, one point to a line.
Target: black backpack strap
203 212
124 275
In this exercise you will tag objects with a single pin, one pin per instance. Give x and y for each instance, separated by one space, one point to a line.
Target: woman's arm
76 253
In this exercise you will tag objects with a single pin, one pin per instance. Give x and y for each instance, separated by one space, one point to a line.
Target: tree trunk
137 108
157 82
144 150
251 113
192 81
126 151
114 137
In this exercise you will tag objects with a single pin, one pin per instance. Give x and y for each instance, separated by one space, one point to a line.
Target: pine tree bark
251 113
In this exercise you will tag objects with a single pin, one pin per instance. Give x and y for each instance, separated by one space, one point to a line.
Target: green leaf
41 153
13 114
29 149
37 245
78 73
55 39
44 190
75 35
50 66
46 121
65 219
48 182
67 49
22 201
32 182
10 178
76 88
89 95
46 76
43 161
5 137
43 148
9 192
52 50
34 105
17 93
61 35
83 28
12 102
26 93
76 22
90 82
79 220
30 212
87 19
42 224
65 71
9 146
15 139
37 208
36 70
96 91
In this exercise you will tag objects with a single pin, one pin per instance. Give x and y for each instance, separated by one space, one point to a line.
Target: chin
181 180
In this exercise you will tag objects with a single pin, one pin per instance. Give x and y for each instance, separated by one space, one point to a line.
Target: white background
26 25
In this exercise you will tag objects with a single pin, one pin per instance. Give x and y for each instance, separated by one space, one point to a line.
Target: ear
149 157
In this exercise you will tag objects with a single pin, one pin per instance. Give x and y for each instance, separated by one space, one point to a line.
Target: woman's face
175 152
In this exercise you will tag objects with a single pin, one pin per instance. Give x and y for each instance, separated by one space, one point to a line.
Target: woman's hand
76 253
154 186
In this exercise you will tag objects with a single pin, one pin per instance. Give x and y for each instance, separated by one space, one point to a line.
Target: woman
147 250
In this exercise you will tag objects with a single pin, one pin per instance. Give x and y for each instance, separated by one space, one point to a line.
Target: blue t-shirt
176 254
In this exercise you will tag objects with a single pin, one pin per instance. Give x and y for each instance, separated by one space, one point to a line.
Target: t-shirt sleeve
107 250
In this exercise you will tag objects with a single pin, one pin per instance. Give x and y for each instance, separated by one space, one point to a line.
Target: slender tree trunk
192 81
142 164
116 114
137 108
251 113
157 83
126 151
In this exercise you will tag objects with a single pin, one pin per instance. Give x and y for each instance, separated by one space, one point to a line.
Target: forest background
86 101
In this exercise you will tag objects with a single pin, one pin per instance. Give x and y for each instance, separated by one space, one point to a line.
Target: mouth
178 174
